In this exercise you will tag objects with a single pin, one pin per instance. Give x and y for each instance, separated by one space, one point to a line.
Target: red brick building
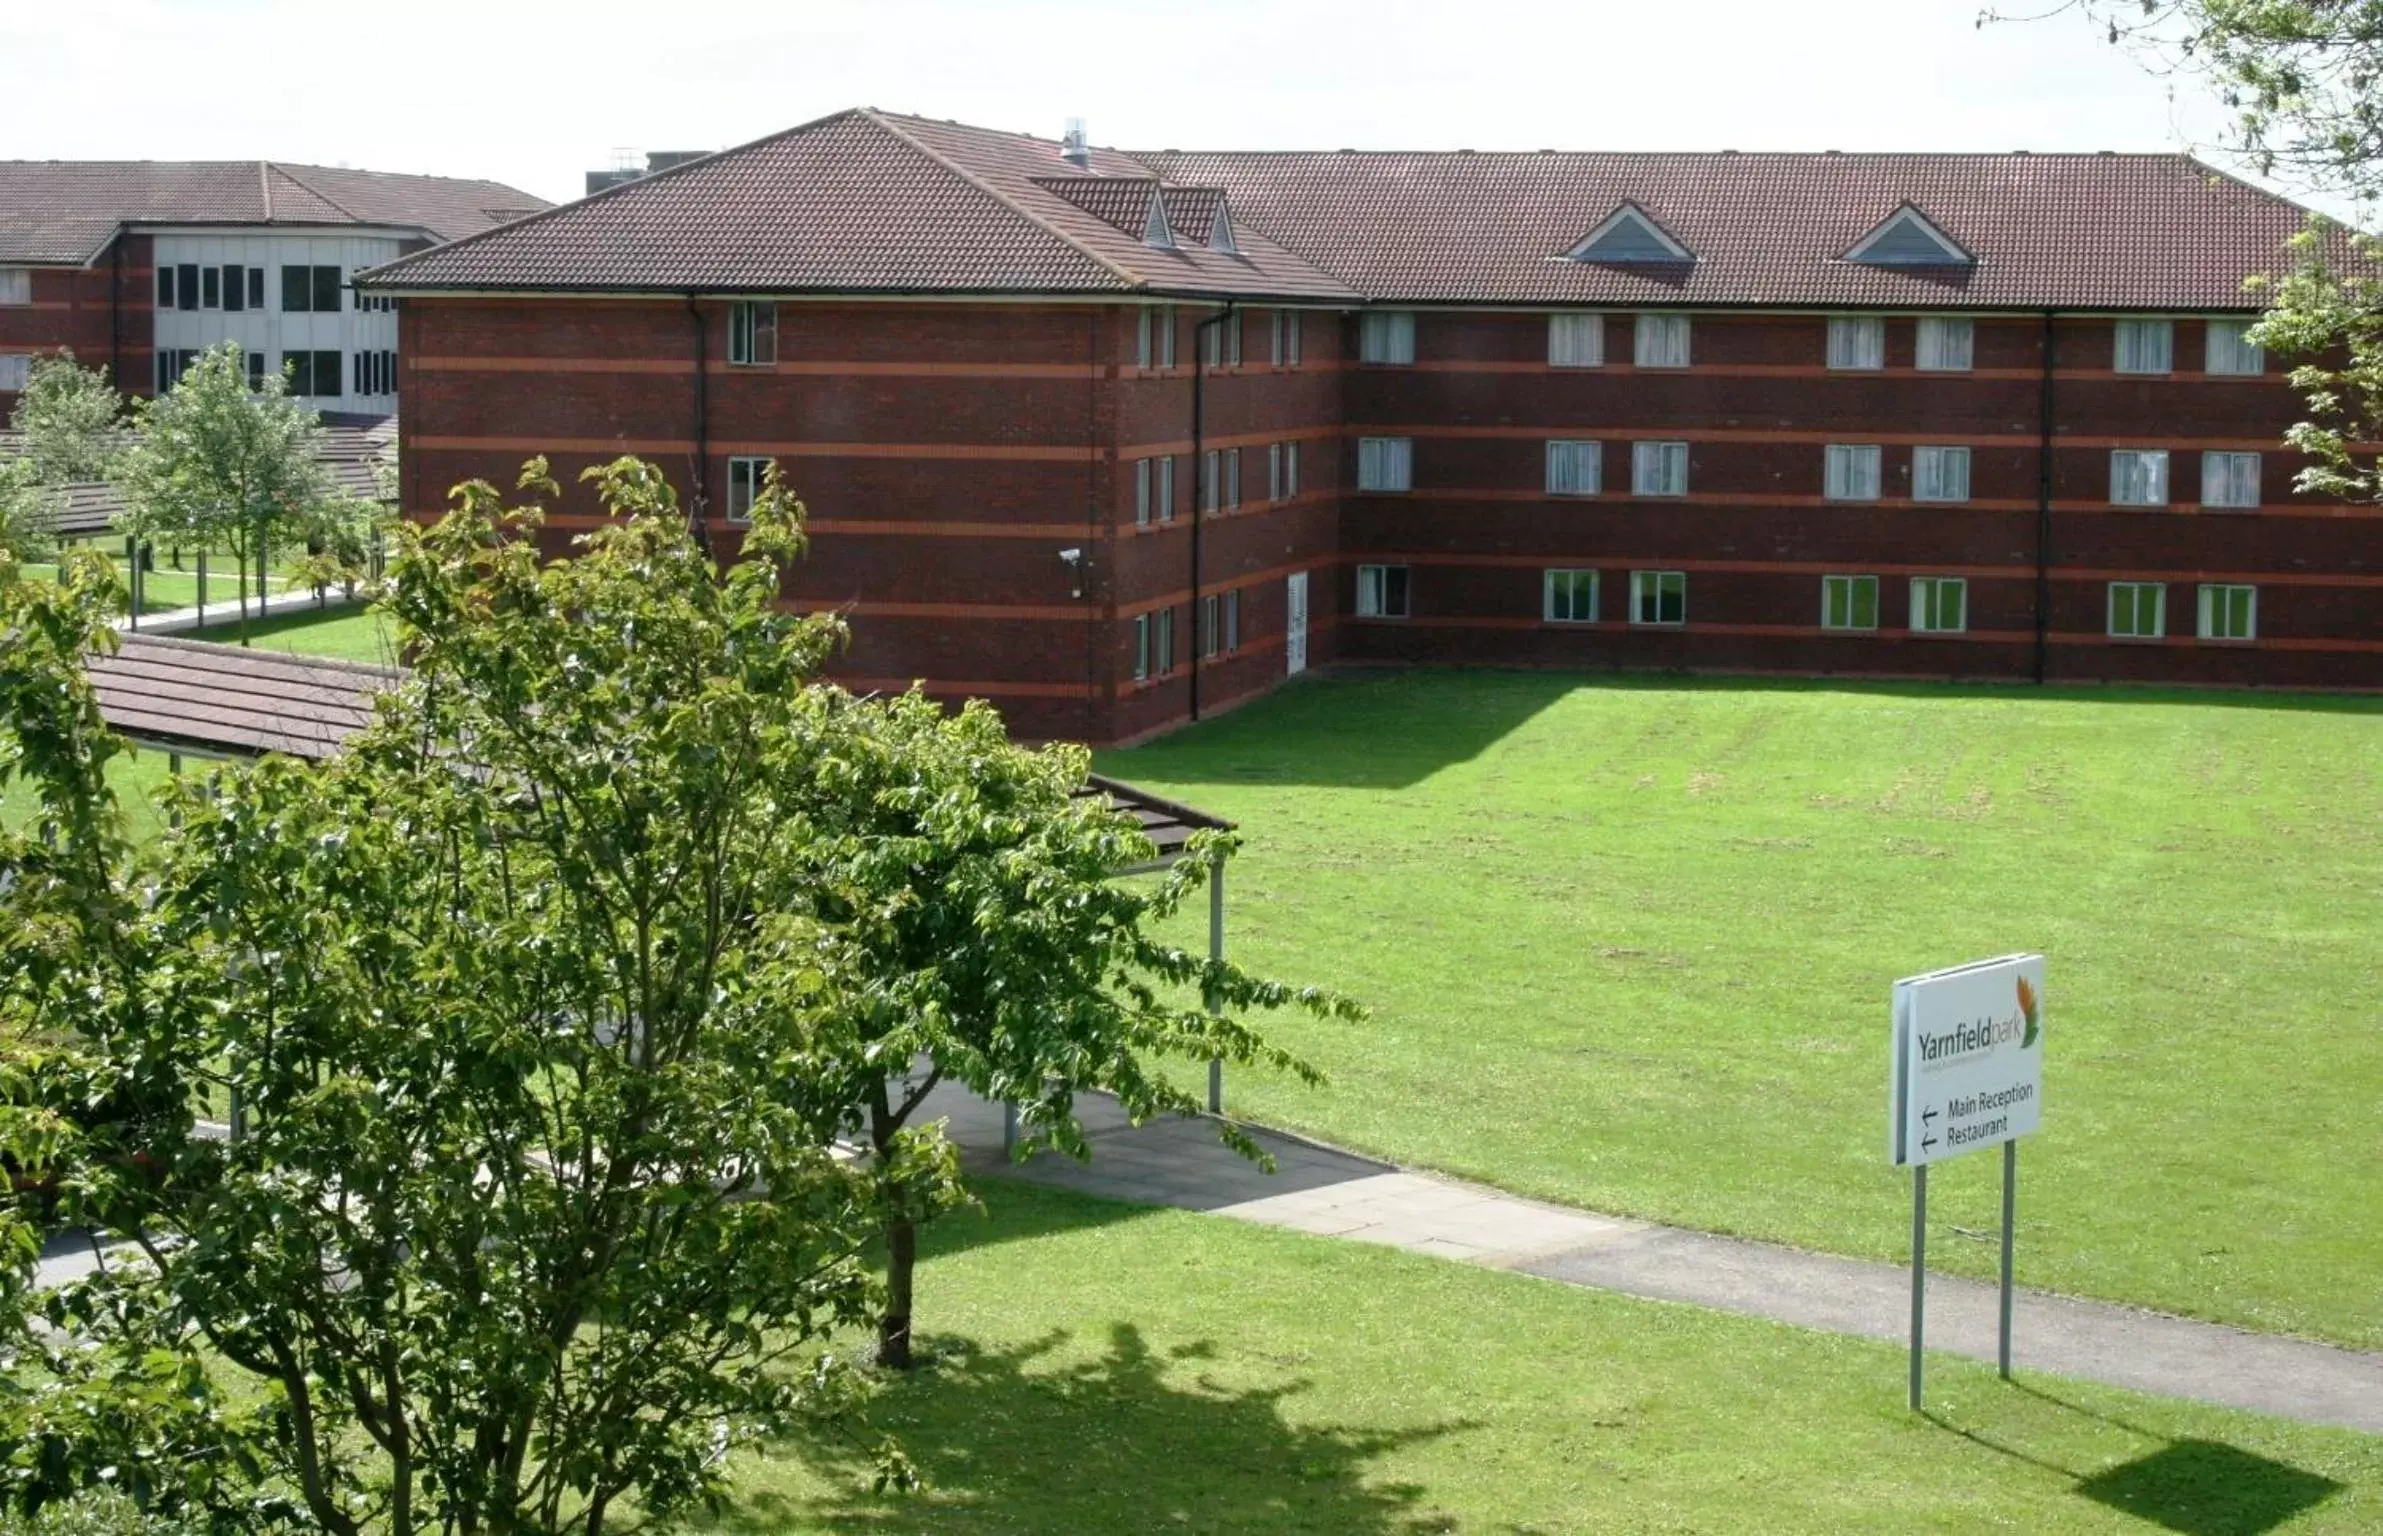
1118 440
138 266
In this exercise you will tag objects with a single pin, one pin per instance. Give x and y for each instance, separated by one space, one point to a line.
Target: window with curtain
1659 469
1570 597
2229 348
1575 341
1385 463
1850 472
2139 477
1940 474
1857 342
1661 341
1574 468
1945 343
2144 346
1386 336
1658 597
2229 479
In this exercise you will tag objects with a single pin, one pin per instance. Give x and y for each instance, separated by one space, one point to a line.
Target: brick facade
104 313
948 452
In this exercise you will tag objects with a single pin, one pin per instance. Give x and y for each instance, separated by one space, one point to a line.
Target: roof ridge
310 189
551 210
886 121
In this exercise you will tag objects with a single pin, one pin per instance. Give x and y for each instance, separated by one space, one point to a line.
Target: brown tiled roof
64 212
860 202
2066 231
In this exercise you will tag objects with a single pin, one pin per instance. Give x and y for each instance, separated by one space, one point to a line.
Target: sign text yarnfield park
1968 1059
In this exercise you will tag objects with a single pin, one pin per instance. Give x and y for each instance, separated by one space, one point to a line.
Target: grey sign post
1967 1073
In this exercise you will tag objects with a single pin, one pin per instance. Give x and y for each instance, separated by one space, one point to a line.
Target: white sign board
1968 1059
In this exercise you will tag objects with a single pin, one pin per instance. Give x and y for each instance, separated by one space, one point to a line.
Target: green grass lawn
165 588
349 633
1107 1369
1630 944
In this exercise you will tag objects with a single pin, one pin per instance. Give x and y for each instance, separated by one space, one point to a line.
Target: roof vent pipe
1072 146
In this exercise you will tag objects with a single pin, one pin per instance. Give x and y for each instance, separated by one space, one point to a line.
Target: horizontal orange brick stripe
870 609
1856 435
1039 453
1883 503
684 366
990 690
1818 371
1249 508
2016 572
1693 627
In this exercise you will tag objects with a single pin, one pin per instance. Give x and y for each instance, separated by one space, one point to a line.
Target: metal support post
201 622
2010 1210
1216 952
132 555
1919 1275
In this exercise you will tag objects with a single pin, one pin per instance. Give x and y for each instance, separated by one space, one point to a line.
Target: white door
1295 626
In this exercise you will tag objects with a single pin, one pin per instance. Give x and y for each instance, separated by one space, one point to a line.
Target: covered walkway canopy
196 698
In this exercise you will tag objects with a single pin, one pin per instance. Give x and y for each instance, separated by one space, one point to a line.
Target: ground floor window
1849 602
1220 623
2229 613
1381 591
2138 610
1939 605
1571 597
1658 597
16 370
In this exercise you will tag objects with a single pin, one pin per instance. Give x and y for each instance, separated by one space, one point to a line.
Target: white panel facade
277 334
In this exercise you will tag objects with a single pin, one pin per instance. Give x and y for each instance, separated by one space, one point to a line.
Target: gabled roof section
65 212
867 202
1629 238
2087 231
1907 239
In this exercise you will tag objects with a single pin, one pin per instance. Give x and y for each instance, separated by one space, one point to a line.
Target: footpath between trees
1322 1190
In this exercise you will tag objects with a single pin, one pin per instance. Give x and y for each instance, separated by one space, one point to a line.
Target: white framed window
1569 597
2229 348
1222 347
1162 487
1849 602
1575 341
746 477
1162 642
1232 463
1939 605
2139 477
1945 343
1274 471
2144 346
1940 474
1385 463
1382 591
1154 337
1285 353
1849 471
1232 621
1212 623
1857 342
2229 613
1386 336
1212 484
16 371
1142 648
2229 479
1660 341
1658 469
1659 597
1145 330
1142 482
16 285
1290 470
1575 468
2138 610
752 334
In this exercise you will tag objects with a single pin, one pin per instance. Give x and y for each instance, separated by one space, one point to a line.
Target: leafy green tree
983 938
28 511
536 1209
213 462
2304 82
71 421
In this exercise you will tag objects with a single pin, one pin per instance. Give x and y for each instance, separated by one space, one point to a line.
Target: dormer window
1907 239
1630 237
1220 231
1157 233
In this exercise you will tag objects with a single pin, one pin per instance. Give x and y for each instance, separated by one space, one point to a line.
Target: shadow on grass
2194 1487
1133 1440
1389 729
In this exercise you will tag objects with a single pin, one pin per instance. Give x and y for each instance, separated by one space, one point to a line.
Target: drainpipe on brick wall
1202 491
2043 510
703 437
116 315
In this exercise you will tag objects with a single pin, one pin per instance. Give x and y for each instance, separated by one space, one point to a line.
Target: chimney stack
1072 146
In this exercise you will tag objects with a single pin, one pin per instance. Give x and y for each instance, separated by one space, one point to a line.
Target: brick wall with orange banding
949 451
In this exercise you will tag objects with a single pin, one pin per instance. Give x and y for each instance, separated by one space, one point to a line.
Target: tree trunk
240 554
901 1262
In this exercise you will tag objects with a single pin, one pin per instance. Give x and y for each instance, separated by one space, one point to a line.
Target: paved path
1338 1194
224 614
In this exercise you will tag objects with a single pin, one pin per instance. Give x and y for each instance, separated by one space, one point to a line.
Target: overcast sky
536 92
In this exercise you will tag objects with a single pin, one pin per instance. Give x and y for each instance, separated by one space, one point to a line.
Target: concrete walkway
1338 1194
224 614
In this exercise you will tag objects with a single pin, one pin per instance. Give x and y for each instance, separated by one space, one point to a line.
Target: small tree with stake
982 937
213 461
